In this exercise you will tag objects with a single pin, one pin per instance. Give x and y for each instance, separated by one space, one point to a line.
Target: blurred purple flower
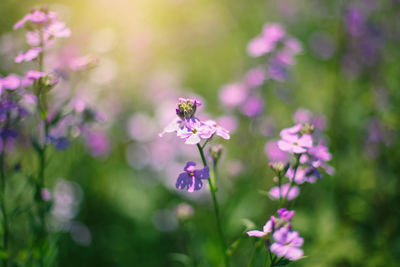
252 107
10 82
28 55
232 95
276 192
286 214
292 143
267 228
274 153
191 179
287 244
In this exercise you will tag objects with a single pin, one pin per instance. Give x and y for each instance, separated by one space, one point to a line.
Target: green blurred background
348 219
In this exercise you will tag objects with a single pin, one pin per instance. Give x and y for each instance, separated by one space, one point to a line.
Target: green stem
296 166
215 202
3 206
42 110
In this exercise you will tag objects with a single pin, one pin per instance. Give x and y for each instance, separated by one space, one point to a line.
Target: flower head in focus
191 179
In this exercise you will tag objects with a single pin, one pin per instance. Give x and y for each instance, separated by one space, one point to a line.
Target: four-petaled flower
287 244
191 179
268 228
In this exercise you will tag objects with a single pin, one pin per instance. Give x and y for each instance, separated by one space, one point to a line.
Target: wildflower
187 108
28 55
183 211
277 193
10 82
267 228
218 130
287 244
34 75
286 214
191 179
194 130
232 95
293 143
46 195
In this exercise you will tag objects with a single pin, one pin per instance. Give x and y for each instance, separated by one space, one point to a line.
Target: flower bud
279 168
307 128
216 152
187 108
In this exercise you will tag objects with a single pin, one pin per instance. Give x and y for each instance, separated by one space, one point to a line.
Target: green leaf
182 258
282 262
248 223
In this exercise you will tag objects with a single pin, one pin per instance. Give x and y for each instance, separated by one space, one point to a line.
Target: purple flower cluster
286 243
190 128
302 141
312 157
42 28
193 131
281 50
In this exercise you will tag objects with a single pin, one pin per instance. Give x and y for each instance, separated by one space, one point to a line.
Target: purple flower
252 107
28 55
276 192
218 130
10 82
300 175
293 143
259 46
286 214
191 179
232 95
268 228
194 130
255 77
46 194
287 244
274 153
34 75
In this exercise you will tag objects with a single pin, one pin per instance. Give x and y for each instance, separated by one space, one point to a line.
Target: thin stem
3 187
215 202
3 206
42 110
296 166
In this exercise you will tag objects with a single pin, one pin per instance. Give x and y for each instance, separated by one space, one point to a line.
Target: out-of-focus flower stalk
296 166
213 189
42 111
3 190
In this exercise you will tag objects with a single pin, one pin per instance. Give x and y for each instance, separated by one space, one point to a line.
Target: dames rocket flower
293 141
287 244
191 179
190 128
267 228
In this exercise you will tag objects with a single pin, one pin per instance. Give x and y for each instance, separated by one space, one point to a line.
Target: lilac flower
218 130
34 75
191 179
232 95
194 131
46 194
265 43
276 192
259 46
287 244
252 107
300 175
292 143
28 55
255 77
286 214
267 228
274 153
10 82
